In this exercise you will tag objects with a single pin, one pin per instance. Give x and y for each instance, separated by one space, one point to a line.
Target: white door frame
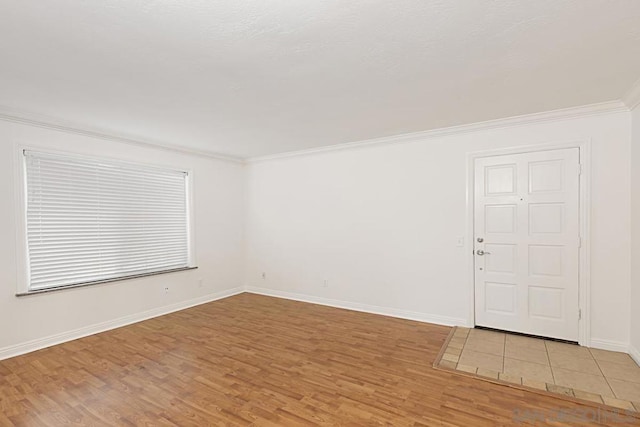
584 270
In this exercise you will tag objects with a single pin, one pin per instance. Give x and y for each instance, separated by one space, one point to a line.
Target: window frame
20 202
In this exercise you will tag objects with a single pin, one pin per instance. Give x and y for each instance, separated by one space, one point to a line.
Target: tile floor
585 373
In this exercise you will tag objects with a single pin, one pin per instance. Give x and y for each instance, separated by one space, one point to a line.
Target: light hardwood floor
252 359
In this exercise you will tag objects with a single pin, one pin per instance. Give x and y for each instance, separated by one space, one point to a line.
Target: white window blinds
92 220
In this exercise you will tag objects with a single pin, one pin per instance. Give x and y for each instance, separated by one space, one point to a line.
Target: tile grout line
466 338
463 346
605 377
546 350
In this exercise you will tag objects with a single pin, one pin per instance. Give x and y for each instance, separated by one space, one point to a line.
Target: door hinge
579 242
579 168
579 314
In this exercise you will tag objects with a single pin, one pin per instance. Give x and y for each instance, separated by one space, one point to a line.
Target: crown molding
48 122
632 97
631 100
546 116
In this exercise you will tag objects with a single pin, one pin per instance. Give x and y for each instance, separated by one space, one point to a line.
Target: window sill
98 282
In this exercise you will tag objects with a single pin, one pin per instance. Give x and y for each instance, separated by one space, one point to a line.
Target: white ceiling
254 77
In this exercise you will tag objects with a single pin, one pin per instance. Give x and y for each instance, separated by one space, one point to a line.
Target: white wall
381 223
635 234
36 320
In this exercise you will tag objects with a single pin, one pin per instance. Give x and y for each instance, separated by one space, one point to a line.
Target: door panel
545 218
500 218
500 298
545 260
545 176
500 180
526 261
503 260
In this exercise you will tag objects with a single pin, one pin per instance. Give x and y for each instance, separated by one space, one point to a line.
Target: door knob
481 252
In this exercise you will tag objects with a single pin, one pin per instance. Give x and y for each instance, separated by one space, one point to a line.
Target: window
93 220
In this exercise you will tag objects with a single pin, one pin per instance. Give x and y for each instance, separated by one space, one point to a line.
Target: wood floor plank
255 360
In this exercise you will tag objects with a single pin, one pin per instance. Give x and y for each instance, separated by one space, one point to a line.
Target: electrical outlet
325 283
166 290
264 276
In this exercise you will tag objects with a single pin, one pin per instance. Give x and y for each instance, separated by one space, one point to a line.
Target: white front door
526 240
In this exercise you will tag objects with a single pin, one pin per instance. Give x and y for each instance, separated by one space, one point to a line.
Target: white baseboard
366 308
609 345
29 346
634 353
40 343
